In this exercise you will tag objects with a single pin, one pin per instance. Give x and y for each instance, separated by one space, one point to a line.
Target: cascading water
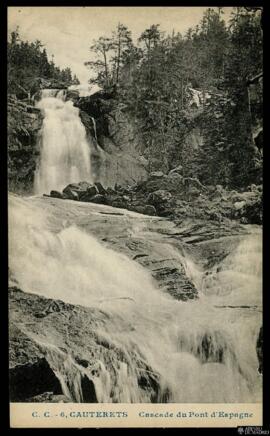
94 127
65 153
204 351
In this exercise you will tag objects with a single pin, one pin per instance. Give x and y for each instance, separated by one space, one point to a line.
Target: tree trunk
182 91
118 60
106 68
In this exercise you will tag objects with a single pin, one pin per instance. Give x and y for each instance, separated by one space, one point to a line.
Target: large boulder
111 191
70 194
79 189
159 197
84 185
89 193
99 199
56 194
72 186
92 190
100 188
119 202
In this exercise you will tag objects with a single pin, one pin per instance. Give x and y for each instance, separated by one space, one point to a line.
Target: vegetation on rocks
217 64
193 100
24 124
173 196
29 68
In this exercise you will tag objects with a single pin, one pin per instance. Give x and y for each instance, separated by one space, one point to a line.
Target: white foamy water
65 152
238 280
202 352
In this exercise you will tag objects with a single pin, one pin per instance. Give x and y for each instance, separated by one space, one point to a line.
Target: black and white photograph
135 154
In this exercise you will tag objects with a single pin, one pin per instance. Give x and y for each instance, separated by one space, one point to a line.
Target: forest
153 77
153 80
28 62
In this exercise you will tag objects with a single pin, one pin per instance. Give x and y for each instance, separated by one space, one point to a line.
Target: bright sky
67 32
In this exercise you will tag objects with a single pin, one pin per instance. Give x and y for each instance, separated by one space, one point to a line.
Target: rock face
118 152
24 123
77 191
150 240
56 353
114 137
56 194
118 156
121 154
74 353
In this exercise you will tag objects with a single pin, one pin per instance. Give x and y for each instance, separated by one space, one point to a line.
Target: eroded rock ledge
64 349
57 354
24 124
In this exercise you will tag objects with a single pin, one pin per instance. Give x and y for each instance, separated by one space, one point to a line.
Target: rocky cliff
114 140
24 124
198 140
49 337
118 153
121 154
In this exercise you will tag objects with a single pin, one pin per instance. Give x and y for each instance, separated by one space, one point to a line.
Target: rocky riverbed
91 319
173 196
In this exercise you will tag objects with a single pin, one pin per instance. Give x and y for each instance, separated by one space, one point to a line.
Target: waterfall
94 127
201 350
65 153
